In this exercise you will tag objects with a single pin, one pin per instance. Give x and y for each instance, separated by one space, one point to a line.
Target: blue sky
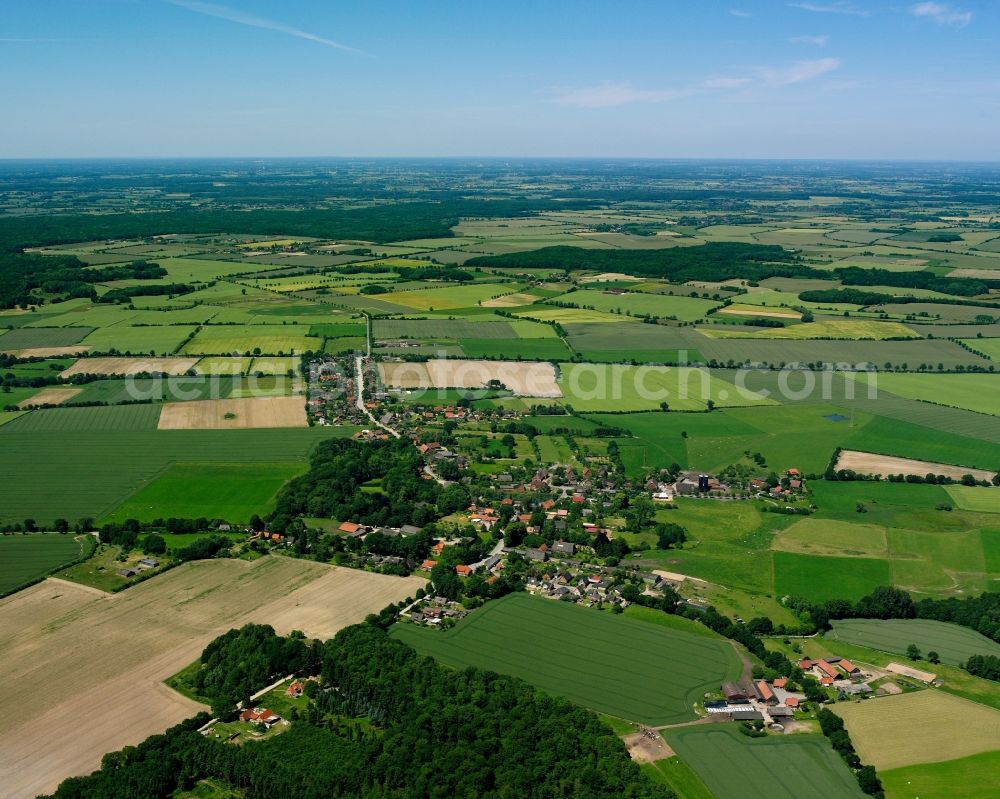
761 79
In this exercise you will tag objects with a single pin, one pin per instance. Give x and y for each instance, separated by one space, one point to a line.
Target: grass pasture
972 392
24 558
975 498
954 643
921 727
972 777
775 767
632 669
821 578
612 387
230 491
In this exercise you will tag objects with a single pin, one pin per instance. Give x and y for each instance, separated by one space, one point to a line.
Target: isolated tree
933 657
913 652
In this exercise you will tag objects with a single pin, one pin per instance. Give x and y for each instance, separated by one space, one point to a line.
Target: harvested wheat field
50 396
130 366
526 379
759 310
923 727
510 301
870 463
48 352
86 669
226 414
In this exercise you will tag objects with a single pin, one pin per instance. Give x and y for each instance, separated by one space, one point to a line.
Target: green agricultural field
162 340
488 328
274 366
31 337
168 389
612 387
25 558
978 499
716 440
529 349
990 347
972 777
442 298
251 339
887 436
973 392
75 473
954 643
631 669
775 767
853 329
223 366
892 732
89 419
551 313
230 491
684 309
821 578
630 341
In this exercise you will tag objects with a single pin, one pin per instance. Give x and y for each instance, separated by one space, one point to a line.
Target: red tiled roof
826 668
791 701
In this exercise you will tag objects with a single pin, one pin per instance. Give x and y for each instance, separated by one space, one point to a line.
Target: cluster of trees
862 297
156 290
240 662
398 725
331 489
27 278
961 287
985 666
833 728
714 261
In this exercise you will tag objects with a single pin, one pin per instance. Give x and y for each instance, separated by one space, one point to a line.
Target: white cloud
942 13
739 12
241 18
798 72
726 83
819 41
608 94
835 7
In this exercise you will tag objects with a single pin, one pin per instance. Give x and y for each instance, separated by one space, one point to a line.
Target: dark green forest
722 260
389 723
331 487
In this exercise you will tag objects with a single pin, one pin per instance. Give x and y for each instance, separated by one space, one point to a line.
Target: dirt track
85 672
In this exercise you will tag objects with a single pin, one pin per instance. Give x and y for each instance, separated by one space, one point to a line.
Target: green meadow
619 666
